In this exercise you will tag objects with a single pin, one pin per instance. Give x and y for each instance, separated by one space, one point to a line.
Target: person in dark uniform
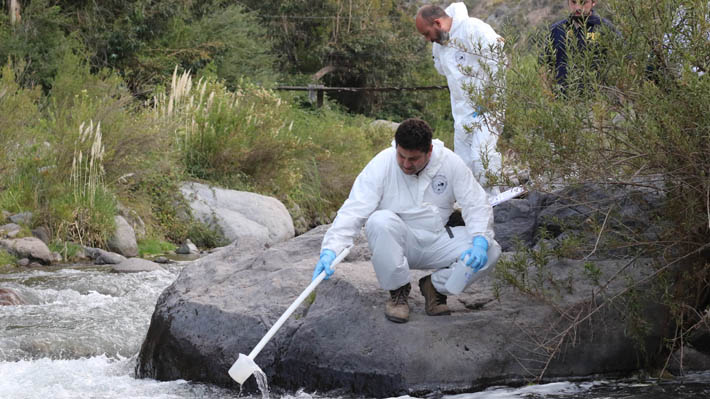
582 28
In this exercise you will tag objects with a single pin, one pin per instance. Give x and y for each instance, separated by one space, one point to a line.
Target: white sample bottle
460 276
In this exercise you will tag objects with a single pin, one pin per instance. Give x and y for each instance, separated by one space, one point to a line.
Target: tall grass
88 145
92 205
225 136
7 260
251 139
87 172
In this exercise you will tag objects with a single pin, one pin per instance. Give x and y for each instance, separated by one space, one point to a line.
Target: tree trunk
13 8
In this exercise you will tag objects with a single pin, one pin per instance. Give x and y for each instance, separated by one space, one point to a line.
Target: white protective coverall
477 148
406 215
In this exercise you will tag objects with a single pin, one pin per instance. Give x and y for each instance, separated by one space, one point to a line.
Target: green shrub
71 156
227 135
154 246
641 122
224 40
23 181
204 236
19 118
68 250
157 194
6 259
37 41
333 150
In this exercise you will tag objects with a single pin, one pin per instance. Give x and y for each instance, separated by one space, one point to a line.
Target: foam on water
530 391
95 377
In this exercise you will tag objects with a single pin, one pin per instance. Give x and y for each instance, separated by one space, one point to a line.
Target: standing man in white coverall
461 46
404 197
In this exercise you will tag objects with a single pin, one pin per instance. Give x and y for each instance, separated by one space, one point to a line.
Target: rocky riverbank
251 219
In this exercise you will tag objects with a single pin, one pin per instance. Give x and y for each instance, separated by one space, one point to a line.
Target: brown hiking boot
434 302
397 308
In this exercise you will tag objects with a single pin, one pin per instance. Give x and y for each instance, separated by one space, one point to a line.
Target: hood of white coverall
448 58
457 10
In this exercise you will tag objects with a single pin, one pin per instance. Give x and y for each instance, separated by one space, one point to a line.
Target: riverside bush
7 260
219 38
68 250
154 246
37 41
639 122
19 119
53 170
334 148
223 135
251 139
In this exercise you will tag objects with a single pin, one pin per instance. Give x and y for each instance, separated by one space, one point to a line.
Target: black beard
443 37
580 19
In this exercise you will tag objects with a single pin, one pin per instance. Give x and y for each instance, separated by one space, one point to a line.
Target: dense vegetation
82 74
635 120
114 103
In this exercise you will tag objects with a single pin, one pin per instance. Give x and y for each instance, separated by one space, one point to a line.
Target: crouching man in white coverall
404 197
461 47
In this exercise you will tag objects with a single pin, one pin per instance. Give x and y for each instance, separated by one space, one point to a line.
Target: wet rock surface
9 297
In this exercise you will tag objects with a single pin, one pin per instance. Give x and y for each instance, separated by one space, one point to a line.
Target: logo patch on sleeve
460 57
439 184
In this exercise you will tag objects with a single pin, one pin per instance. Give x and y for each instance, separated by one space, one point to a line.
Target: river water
79 334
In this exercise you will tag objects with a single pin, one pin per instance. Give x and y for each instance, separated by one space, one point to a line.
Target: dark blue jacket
586 37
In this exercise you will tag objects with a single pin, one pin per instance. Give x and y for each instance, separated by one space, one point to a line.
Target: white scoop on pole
245 366
507 195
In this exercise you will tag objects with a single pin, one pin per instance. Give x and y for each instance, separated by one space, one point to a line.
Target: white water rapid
79 332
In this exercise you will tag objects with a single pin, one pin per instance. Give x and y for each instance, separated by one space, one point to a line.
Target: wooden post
315 93
13 8
319 103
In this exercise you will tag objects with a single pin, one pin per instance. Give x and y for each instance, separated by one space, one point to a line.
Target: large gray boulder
516 220
252 220
101 257
134 220
28 247
223 304
123 240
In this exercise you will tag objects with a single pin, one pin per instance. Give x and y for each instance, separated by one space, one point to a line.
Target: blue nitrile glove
325 263
477 254
477 112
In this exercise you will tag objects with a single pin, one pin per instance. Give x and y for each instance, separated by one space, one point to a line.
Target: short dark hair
414 134
429 13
